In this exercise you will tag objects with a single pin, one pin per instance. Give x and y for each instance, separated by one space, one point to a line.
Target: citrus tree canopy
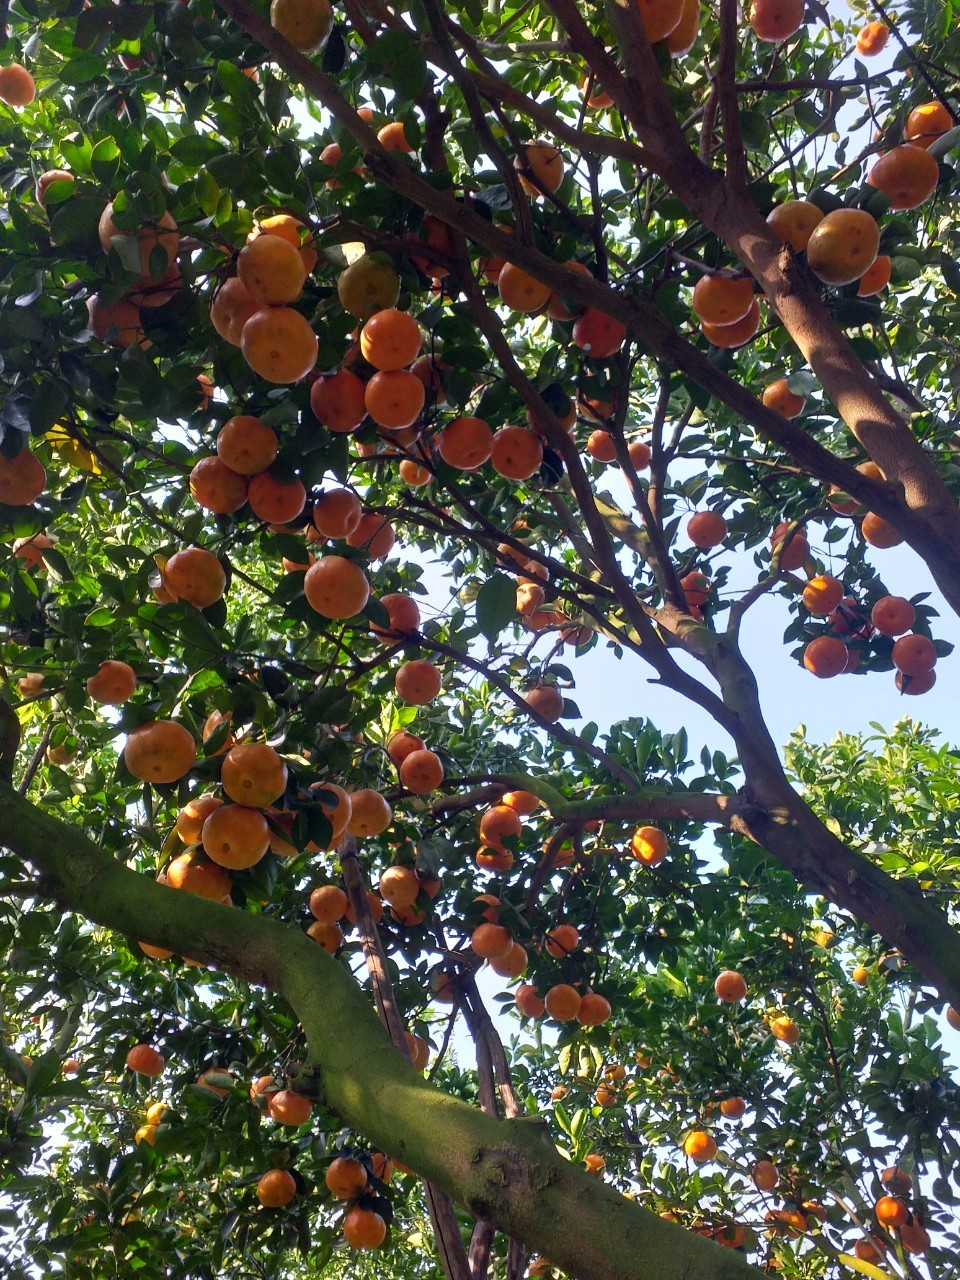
365 369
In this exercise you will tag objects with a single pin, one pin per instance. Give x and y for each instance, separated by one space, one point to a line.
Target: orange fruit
558 308
195 575
289 1108
872 39
235 836
765 1176
870 1249
794 222
822 594
305 23
926 123
118 323
879 532
733 1108
230 310
435 235
659 17
216 488
22 479
279 345
276 498
336 588
605 1096
891 1212
253 774
393 138
271 270
784 1029
684 35
516 453
30 550
465 443
402 744
826 656
46 178
338 401
778 396
337 808
601 446
721 299
373 534
193 815
276 1188
370 813
162 234
498 822
291 229
521 291
113 683
194 873
907 176
418 682
562 940
345 1177
522 802
953 1018
528 1002
540 168
892 615
394 398
326 934
699 1146
491 941
364 1229
421 772
914 654
706 529
328 903
843 245
915 684
914 1237
730 986
512 964
17 85
776 20
336 513
598 335
876 276
390 340
399 886
562 1002
404 615
245 445
649 845
383 1167
160 751
546 701
594 1010
729 336
494 859
145 1060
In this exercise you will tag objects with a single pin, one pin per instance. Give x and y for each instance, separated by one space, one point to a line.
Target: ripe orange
870 1249
195 873
528 1002
733 1108
778 396
390 340
512 964
491 941
729 336
253 774
891 1212
659 17
364 1229
822 594
598 335
699 1146
914 654
516 453
338 401
276 498
145 1060
289 1108
22 479
404 615
684 35
522 802
776 20
546 701
872 39
279 345
373 534
193 815
235 836
594 1010
328 902
562 940
418 682
879 532
926 123
540 168
271 270
392 137
305 23
826 656
730 986
276 1188
706 529
336 588
499 822
118 323
421 772
113 683
160 751
17 85
401 744
914 1237
162 234
30 550
794 222
195 575
293 231
383 1167
897 1181
907 175
521 291
465 443
216 488
953 1018
892 615
765 1175
601 446
562 1002
605 1096
493 859
245 445
784 1029
230 310
370 813
843 245
326 934
649 845
394 399
345 1177
721 299
876 276
337 512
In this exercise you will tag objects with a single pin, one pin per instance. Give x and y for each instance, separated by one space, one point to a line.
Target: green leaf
496 604
105 161
47 405
82 69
